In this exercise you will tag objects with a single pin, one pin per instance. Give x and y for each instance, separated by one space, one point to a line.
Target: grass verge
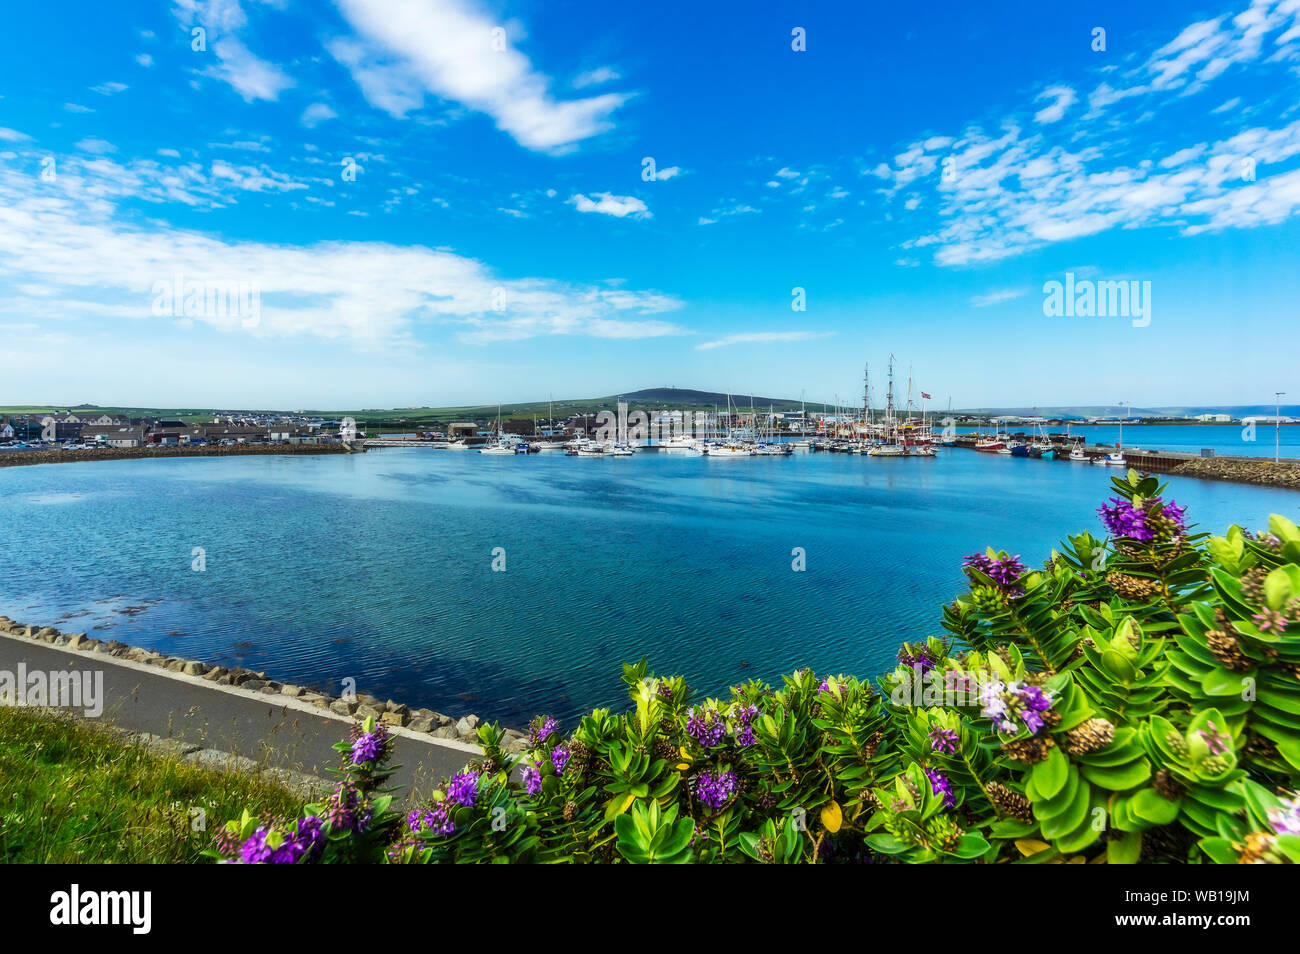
73 792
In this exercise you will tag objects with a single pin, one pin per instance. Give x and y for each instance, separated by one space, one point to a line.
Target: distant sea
378 566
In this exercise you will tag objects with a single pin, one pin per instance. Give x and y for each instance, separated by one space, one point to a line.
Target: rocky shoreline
21 458
436 725
1242 470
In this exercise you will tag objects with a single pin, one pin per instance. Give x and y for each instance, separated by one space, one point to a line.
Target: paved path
274 730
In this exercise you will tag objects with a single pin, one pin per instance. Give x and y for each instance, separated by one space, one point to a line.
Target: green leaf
1051 774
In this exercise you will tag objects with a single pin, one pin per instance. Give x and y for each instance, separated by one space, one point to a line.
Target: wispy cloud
762 337
1062 98
1004 192
65 250
997 297
605 203
222 20
456 51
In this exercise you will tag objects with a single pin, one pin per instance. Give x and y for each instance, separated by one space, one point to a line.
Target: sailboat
499 446
1116 458
891 447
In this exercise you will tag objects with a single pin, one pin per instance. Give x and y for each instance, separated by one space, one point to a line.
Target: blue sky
919 177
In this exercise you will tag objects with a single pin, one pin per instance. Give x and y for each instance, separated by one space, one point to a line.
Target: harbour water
379 566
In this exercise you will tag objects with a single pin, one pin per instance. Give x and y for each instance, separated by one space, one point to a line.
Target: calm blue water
378 566
1233 439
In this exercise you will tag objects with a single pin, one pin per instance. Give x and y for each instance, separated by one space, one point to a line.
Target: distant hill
687 397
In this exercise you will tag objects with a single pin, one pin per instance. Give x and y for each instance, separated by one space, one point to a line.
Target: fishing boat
729 449
1077 455
1116 457
887 450
991 444
458 445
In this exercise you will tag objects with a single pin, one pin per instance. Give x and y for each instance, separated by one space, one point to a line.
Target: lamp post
1277 425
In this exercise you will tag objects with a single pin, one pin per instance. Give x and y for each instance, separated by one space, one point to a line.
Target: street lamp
1277 425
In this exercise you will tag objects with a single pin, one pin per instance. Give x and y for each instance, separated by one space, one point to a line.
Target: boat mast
889 402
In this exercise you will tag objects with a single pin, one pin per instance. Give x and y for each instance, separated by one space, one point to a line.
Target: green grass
71 792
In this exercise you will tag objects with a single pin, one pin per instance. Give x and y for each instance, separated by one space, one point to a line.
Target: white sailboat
1116 458
499 446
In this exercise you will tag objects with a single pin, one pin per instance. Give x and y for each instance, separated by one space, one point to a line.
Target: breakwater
355 705
1244 471
23 457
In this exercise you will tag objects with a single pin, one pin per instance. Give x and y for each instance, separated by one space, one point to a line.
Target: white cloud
315 114
76 108
997 297
1062 98
145 60
668 173
596 77
446 47
761 337
97 146
108 89
1004 193
248 74
619 206
64 252
12 135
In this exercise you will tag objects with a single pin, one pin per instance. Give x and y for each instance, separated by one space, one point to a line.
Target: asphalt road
274 730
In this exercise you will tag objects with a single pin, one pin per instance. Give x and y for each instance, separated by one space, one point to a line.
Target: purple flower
744 729
432 819
1270 619
1153 518
560 758
943 741
715 789
341 809
1004 702
542 732
304 841
366 748
1285 820
255 851
706 727
532 777
1004 571
463 788
939 785
913 658
1218 743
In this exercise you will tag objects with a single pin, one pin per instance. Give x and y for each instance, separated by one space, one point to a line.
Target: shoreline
23 458
419 722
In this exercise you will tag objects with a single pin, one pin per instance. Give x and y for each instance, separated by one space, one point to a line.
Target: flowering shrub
1135 699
